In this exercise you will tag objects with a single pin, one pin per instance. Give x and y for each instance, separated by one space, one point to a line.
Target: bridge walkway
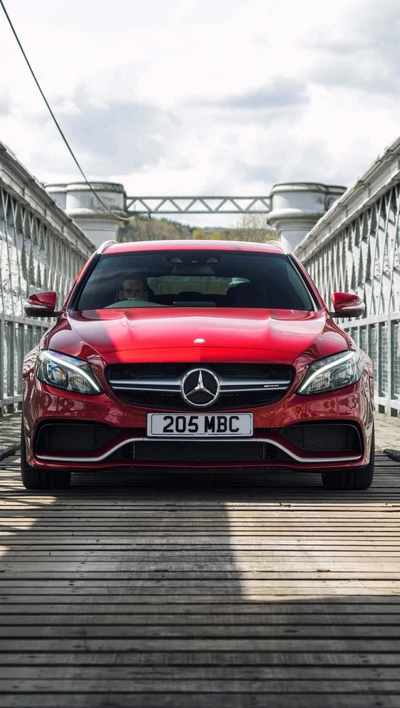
236 590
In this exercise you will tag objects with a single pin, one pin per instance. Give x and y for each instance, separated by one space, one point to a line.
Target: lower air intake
205 451
324 437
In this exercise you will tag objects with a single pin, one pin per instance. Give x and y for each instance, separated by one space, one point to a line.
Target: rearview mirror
347 305
41 305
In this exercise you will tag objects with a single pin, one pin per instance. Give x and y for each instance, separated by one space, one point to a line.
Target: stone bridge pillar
79 202
297 206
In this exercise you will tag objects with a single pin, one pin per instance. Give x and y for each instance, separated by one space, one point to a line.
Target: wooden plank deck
232 590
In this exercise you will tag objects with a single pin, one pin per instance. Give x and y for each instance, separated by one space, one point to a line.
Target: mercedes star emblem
200 388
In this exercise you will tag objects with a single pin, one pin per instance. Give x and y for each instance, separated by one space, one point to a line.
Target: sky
187 97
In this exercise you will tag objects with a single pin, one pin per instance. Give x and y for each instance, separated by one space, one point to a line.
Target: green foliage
253 227
250 227
141 228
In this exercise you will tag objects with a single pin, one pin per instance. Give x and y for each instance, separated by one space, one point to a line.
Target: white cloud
182 10
197 96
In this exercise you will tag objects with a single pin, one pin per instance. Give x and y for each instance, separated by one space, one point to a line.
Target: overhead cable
114 214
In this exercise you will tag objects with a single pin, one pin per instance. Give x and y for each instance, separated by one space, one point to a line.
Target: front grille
173 370
153 375
324 437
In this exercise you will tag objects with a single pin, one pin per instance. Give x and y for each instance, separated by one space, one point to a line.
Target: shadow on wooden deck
232 589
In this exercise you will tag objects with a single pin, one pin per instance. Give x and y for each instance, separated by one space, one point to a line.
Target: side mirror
41 305
347 305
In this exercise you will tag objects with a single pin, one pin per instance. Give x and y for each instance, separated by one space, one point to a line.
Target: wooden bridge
197 590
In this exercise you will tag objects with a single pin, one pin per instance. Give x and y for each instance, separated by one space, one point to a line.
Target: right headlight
331 373
67 372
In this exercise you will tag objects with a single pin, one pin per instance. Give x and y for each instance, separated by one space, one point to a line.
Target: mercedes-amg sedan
196 354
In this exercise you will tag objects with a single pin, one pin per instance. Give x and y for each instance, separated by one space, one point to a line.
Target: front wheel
352 479
41 479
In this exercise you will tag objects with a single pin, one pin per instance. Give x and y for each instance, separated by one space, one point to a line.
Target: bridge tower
297 206
79 202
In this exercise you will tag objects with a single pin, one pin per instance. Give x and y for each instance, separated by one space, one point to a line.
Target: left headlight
332 373
66 372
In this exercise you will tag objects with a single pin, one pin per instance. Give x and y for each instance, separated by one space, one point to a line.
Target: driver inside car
133 289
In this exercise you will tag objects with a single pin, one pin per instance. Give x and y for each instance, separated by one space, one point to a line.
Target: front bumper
127 445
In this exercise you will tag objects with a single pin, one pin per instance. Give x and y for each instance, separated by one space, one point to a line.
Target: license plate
199 425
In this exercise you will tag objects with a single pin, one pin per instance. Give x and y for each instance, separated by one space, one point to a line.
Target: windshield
191 278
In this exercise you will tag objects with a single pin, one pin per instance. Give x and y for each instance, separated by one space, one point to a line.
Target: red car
196 354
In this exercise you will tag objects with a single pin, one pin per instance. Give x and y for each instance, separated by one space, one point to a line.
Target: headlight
66 372
331 373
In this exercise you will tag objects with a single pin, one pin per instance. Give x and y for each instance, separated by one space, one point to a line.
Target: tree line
249 227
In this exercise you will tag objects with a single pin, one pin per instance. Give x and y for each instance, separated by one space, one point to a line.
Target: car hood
149 335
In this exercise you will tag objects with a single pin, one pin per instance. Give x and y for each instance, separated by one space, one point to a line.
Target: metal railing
40 249
17 337
355 247
380 338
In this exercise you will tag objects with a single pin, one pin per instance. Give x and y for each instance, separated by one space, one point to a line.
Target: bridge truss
198 205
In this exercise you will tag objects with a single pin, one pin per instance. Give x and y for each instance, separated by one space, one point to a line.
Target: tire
352 479
41 479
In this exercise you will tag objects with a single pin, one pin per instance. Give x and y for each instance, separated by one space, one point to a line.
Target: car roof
249 246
